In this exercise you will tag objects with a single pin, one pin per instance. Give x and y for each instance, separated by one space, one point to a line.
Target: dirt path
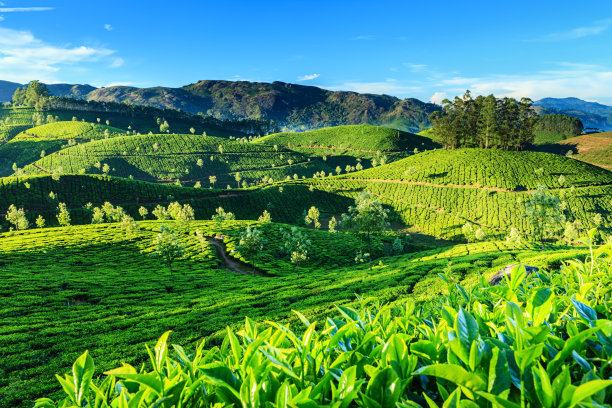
230 263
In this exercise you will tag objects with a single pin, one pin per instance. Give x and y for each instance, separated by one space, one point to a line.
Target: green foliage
485 122
17 218
532 341
296 245
63 215
251 244
312 217
561 126
366 217
544 213
221 215
169 248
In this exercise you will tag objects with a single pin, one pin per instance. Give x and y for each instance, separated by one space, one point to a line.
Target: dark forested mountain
7 89
592 114
294 106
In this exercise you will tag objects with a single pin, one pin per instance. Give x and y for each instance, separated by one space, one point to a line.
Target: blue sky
403 48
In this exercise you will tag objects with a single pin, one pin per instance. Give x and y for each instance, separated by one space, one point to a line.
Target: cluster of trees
567 126
34 94
485 121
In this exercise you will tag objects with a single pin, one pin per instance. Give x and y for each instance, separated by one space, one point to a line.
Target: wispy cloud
585 81
23 9
415 67
364 37
108 27
596 28
23 57
117 62
389 87
309 77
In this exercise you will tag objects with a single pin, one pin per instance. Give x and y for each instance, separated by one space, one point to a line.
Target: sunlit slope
506 170
353 137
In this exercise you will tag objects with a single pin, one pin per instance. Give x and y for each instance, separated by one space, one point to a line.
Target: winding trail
230 263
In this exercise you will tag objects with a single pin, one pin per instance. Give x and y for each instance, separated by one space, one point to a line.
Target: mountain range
297 106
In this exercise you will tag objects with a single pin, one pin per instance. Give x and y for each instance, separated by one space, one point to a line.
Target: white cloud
585 82
309 77
438 97
580 32
119 84
23 9
388 87
415 67
364 37
24 57
108 27
117 62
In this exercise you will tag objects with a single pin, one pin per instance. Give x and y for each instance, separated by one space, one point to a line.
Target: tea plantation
157 235
98 288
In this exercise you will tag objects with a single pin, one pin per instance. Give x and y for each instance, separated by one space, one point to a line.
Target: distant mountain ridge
592 114
294 106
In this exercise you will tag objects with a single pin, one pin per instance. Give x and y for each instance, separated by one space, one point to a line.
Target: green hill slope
595 148
365 138
476 168
31 144
192 158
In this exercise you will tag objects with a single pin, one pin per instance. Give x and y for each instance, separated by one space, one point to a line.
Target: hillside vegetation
594 148
365 138
98 288
516 171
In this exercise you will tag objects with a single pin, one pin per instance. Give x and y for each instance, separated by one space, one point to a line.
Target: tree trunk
370 252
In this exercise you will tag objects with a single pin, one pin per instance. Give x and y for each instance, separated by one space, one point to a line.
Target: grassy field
100 289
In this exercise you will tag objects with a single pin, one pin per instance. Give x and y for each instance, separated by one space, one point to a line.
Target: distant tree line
567 126
485 121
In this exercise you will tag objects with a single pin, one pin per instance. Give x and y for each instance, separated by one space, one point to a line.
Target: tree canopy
485 121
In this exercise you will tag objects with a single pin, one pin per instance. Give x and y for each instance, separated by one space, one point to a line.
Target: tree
237 177
97 216
17 217
213 180
185 216
143 212
169 248
251 244
63 216
161 213
544 214
128 225
366 217
467 230
331 226
265 217
192 130
480 234
164 127
40 221
296 245
200 162
572 230
105 168
312 217
514 238
221 215
397 246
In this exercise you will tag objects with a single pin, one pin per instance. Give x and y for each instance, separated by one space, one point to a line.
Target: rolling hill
594 148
